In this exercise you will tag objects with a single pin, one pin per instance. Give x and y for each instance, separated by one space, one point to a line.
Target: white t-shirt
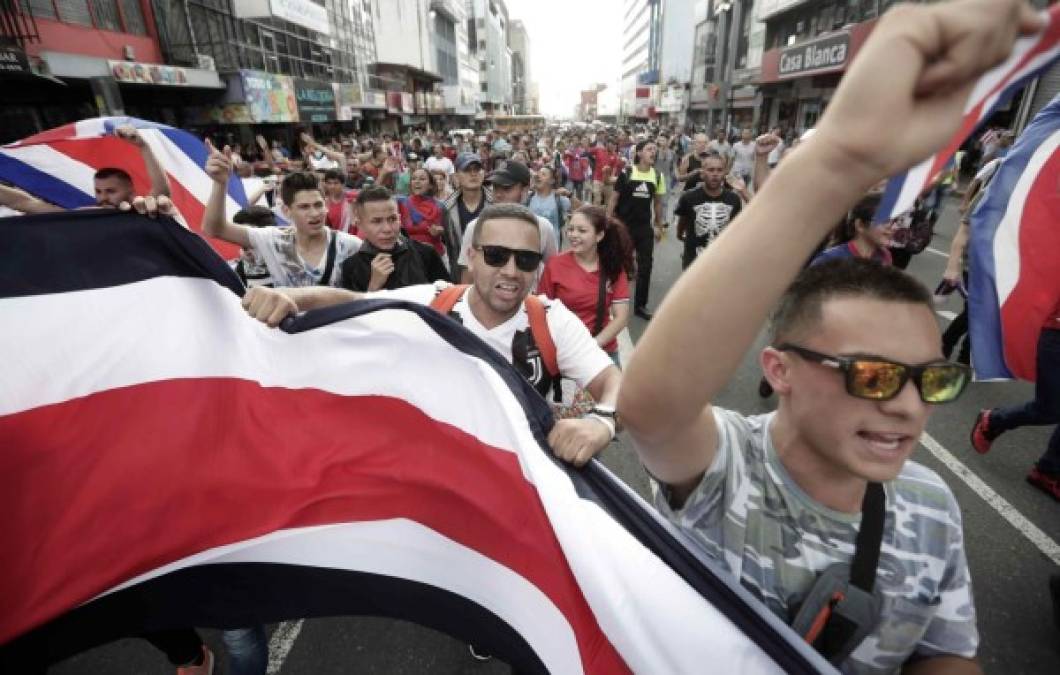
277 248
440 164
577 354
549 245
744 156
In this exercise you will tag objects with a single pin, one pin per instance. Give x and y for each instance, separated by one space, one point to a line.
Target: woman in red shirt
421 213
597 243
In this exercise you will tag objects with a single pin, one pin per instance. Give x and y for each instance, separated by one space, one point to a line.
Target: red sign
643 92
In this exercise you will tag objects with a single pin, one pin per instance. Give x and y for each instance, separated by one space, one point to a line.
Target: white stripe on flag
179 165
181 328
62 167
915 181
1006 244
91 128
405 549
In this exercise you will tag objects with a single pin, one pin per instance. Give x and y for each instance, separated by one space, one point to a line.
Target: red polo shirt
565 280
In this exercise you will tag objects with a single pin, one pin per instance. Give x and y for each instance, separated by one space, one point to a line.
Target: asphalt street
1009 571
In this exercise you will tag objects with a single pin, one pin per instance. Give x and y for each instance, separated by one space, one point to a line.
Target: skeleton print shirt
710 215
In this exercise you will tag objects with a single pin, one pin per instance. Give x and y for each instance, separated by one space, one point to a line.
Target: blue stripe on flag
39 184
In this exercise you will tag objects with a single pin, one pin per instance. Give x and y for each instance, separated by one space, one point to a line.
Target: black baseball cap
513 173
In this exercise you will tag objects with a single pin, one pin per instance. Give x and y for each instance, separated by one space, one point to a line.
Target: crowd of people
533 240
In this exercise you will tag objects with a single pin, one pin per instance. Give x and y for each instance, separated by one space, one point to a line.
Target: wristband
609 423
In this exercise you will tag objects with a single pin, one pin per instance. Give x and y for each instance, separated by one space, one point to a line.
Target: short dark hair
295 182
113 172
800 307
496 211
375 193
255 216
335 174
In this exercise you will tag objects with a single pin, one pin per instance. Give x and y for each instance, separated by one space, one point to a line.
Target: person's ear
776 368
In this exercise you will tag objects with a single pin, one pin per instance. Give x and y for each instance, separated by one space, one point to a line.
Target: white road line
937 252
281 643
1006 510
946 314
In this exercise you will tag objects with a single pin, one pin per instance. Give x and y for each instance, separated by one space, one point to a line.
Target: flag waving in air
57 166
169 462
1014 251
1030 56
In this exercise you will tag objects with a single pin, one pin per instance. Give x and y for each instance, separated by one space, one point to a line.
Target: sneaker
205 668
1047 483
478 653
982 437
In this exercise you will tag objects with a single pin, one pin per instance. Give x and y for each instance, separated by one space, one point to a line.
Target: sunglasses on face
497 256
879 379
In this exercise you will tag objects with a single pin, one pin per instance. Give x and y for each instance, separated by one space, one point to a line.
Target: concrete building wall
402 33
491 26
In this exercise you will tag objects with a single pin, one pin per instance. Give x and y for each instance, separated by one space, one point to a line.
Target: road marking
946 314
281 643
937 252
1006 510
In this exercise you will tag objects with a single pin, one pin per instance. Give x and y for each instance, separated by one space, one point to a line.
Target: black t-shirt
693 168
465 215
636 194
710 215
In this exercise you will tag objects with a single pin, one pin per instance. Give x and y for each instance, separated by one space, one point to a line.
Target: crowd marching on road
543 243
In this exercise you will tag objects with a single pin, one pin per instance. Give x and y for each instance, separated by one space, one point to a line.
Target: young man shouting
855 360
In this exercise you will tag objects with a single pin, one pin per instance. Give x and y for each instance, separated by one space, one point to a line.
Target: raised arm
19 200
159 182
918 66
273 305
215 222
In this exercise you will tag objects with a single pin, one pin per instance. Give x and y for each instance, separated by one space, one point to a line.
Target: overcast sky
574 44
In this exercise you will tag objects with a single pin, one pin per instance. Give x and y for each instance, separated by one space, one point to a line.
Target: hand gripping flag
57 166
1030 56
1014 251
169 462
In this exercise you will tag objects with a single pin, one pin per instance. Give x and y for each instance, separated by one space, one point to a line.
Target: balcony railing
17 25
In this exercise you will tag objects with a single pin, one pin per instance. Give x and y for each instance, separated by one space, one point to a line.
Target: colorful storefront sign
147 73
348 100
269 97
316 100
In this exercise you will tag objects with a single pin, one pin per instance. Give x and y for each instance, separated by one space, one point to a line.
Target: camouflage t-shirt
277 248
750 515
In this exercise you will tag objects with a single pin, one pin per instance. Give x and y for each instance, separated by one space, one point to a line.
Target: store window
41 8
74 11
106 14
134 17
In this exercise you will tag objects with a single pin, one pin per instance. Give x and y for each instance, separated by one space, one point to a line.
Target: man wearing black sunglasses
503 264
855 359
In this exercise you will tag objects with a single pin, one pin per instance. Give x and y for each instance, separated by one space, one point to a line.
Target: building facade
519 43
488 26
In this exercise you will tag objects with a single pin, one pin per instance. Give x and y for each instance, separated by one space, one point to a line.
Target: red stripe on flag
1037 291
108 151
193 211
121 482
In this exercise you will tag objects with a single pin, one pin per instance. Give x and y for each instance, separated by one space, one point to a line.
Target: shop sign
303 13
316 100
374 99
147 73
767 8
817 56
13 60
407 103
347 101
230 113
393 102
269 97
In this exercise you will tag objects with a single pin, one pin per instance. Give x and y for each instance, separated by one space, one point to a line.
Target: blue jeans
248 650
1045 408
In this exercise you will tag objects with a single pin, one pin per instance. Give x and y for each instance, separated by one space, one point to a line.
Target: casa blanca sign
820 55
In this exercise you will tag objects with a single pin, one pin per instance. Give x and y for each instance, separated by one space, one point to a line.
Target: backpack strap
448 297
870 537
325 279
535 312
